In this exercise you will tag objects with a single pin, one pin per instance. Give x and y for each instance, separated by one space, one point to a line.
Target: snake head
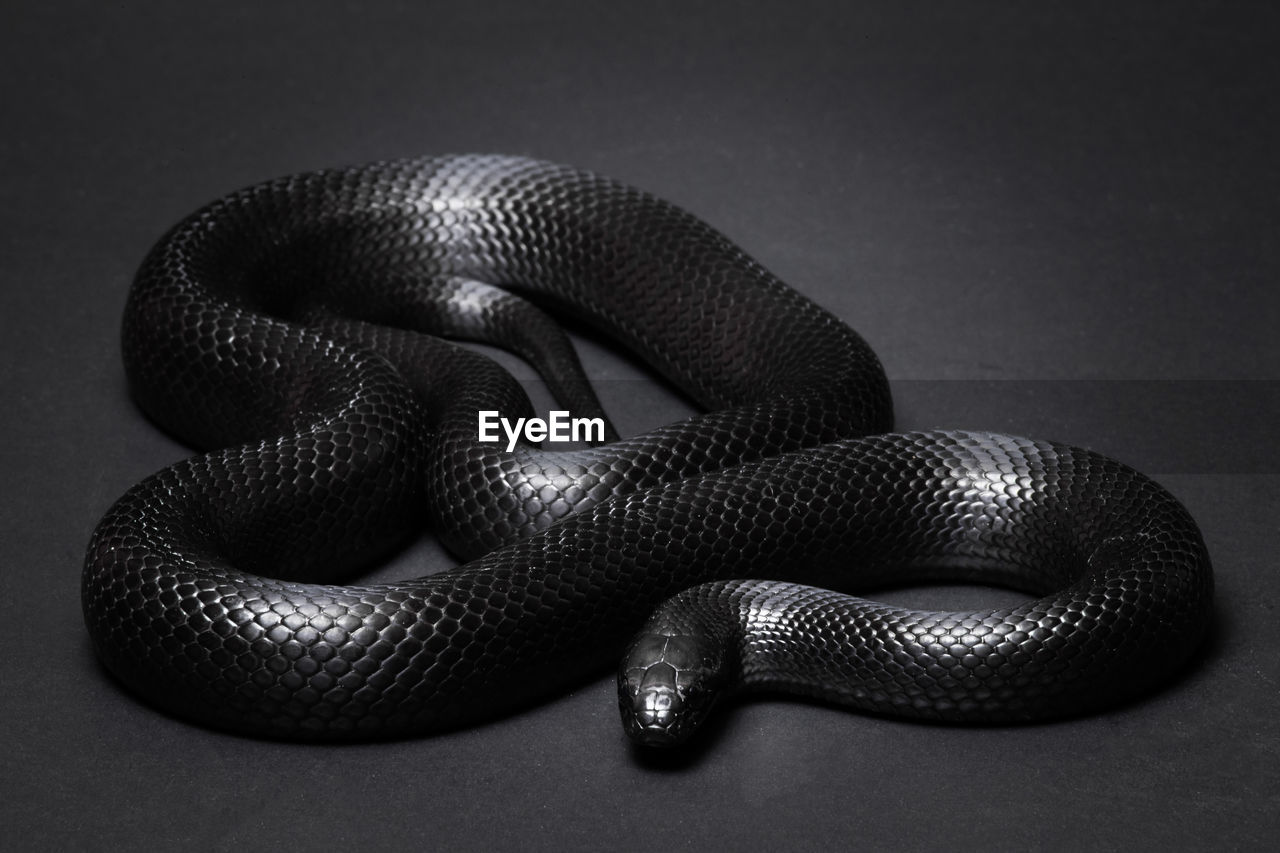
667 685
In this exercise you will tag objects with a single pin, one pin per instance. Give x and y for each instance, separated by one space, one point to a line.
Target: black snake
284 330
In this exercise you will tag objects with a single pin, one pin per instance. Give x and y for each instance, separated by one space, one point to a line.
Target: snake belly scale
289 330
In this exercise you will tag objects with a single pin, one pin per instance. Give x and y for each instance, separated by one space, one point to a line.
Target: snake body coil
282 329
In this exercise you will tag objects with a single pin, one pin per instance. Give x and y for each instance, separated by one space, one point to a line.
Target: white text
559 427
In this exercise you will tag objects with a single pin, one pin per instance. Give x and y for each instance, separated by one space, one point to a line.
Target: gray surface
1023 214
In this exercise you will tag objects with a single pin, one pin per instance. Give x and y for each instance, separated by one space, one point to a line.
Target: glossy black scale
281 328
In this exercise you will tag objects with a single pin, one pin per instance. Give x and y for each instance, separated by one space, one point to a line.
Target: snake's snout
657 701
666 687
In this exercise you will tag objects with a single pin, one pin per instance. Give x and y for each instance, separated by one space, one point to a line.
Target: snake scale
292 332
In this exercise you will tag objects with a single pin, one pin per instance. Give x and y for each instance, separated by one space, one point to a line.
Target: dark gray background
1058 221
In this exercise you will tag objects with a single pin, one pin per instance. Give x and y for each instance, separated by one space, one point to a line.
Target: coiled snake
283 329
